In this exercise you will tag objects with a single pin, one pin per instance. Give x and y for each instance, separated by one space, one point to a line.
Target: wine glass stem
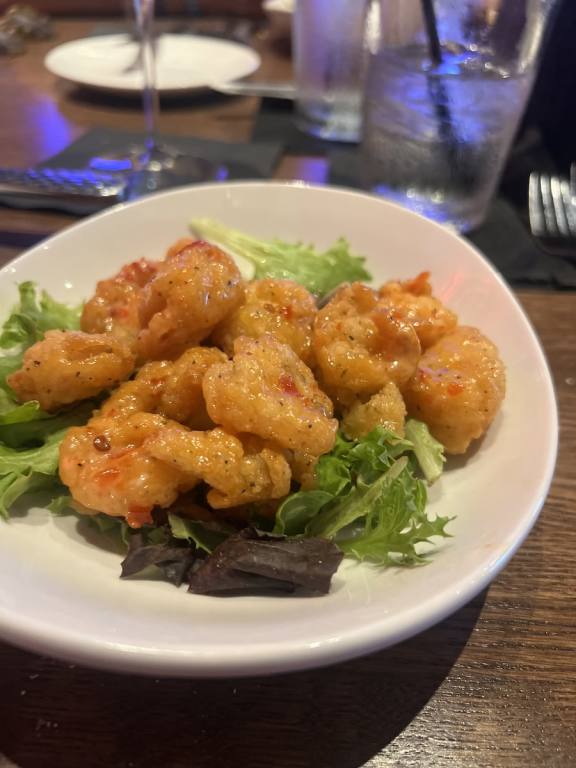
144 12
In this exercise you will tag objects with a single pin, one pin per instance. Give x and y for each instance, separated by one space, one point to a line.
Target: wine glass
154 165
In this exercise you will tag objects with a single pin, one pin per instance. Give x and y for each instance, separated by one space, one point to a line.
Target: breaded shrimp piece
182 398
412 302
359 346
67 366
458 388
107 467
268 391
114 307
282 308
141 395
384 409
172 389
303 468
238 469
196 287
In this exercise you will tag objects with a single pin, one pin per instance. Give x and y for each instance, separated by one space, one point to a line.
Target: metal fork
552 213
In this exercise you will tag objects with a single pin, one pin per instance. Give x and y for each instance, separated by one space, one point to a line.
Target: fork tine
550 222
569 209
559 207
535 212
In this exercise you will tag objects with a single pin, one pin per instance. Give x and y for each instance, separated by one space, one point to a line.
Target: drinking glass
330 57
437 132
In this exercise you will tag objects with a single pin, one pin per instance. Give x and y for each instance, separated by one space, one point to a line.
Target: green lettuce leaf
28 470
357 504
34 315
298 511
30 438
320 273
203 535
428 451
368 500
29 431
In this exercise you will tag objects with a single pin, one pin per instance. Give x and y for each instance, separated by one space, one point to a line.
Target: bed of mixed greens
370 497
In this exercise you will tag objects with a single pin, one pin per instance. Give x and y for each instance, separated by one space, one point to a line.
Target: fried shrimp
360 346
114 308
172 389
108 469
412 302
141 395
182 398
196 287
267 390
458 388
303 469
67 366
385 409
238 469
282 308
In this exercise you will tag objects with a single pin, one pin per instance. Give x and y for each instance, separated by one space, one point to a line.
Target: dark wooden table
494 685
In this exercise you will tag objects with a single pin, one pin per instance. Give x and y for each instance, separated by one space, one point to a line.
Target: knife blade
269 90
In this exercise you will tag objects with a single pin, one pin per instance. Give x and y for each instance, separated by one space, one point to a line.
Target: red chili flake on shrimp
287 312
139 516
288 385
139 272
120 313
454 388
107 476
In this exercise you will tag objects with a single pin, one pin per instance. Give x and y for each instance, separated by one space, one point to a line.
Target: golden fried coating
303 469
412 302
114 308
267 390
360 346
67 366
108 469
196 287
172 389
458 388
182 398
282 308
385 409
142 395
238 470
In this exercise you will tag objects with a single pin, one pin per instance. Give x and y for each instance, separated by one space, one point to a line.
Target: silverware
76 191
552 213
270 90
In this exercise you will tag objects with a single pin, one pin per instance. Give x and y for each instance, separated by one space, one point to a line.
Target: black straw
438 93
432 31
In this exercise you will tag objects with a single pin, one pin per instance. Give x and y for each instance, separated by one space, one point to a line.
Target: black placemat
255 160
275 122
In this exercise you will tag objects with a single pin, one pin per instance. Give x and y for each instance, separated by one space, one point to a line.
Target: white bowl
60 594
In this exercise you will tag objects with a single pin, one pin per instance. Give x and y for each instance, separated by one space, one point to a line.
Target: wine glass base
156 169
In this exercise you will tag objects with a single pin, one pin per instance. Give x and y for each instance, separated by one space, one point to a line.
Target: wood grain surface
494 685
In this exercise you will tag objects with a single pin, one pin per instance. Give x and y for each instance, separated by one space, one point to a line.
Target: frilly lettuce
319 272
369 499
29 437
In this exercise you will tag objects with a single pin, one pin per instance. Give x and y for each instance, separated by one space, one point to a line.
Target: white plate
279 13
59 594
184 62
